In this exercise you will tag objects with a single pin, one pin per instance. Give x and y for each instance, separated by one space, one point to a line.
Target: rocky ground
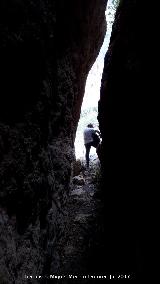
82 242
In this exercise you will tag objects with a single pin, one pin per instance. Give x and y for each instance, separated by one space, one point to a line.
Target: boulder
77 167
79 180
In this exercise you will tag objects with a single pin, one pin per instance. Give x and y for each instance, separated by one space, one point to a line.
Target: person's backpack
96 139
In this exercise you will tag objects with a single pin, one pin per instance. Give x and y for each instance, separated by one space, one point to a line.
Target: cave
46 52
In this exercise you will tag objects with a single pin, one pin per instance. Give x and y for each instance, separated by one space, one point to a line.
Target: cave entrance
89 108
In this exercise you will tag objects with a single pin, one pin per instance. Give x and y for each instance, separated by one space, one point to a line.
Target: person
91 139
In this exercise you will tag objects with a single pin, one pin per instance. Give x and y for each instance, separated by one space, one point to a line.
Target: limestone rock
77 167
79 180
43 67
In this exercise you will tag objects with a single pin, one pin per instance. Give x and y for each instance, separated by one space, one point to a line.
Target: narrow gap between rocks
89 108
83 242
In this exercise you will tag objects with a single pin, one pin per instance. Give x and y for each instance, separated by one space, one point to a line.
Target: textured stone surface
80 40
45 55
77 167
43 71
78 180
127 117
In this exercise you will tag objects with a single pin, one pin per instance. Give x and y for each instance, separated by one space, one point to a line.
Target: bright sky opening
89 109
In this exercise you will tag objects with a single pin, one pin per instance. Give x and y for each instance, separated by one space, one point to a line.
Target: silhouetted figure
91 139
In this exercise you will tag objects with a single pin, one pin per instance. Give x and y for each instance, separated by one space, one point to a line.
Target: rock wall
80 39
46 51
128 122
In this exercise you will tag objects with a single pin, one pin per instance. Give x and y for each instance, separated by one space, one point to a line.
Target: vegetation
115 4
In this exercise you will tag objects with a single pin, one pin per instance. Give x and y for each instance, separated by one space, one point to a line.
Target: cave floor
82 246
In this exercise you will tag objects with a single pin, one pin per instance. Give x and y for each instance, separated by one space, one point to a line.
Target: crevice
55 215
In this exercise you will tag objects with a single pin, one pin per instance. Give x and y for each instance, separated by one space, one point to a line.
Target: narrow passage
82 243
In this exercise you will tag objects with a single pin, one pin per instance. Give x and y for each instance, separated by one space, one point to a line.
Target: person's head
90 125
